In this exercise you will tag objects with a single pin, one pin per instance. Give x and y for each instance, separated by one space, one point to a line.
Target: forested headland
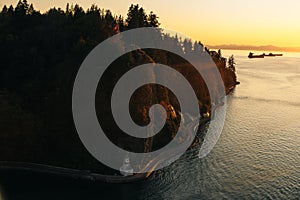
40 56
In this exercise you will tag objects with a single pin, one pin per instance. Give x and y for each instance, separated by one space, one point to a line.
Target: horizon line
254 47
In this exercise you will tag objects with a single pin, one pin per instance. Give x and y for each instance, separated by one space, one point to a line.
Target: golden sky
255 22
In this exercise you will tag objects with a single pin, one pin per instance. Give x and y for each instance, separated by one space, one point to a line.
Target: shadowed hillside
40 55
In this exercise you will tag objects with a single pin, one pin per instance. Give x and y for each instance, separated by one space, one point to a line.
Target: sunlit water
256 157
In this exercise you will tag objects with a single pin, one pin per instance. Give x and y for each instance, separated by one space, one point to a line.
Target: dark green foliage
137 17
153 20
40 55
231 63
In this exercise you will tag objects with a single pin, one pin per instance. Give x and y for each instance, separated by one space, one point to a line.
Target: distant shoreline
255 48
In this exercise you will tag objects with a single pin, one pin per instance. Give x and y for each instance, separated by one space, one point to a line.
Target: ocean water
258 153
256 157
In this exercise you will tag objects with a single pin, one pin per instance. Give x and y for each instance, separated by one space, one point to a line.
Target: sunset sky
255 22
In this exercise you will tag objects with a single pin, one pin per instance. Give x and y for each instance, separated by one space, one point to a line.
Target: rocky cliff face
151 94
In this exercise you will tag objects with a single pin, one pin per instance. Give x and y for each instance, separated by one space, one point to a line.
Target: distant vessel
272 54
251 55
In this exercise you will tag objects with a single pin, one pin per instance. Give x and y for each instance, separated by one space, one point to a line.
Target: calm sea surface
256 157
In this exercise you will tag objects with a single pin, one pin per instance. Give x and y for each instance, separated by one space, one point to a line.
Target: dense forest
40 56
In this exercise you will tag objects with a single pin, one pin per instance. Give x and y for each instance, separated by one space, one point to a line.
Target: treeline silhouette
40 56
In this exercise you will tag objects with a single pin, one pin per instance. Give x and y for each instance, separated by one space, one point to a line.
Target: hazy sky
254 22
